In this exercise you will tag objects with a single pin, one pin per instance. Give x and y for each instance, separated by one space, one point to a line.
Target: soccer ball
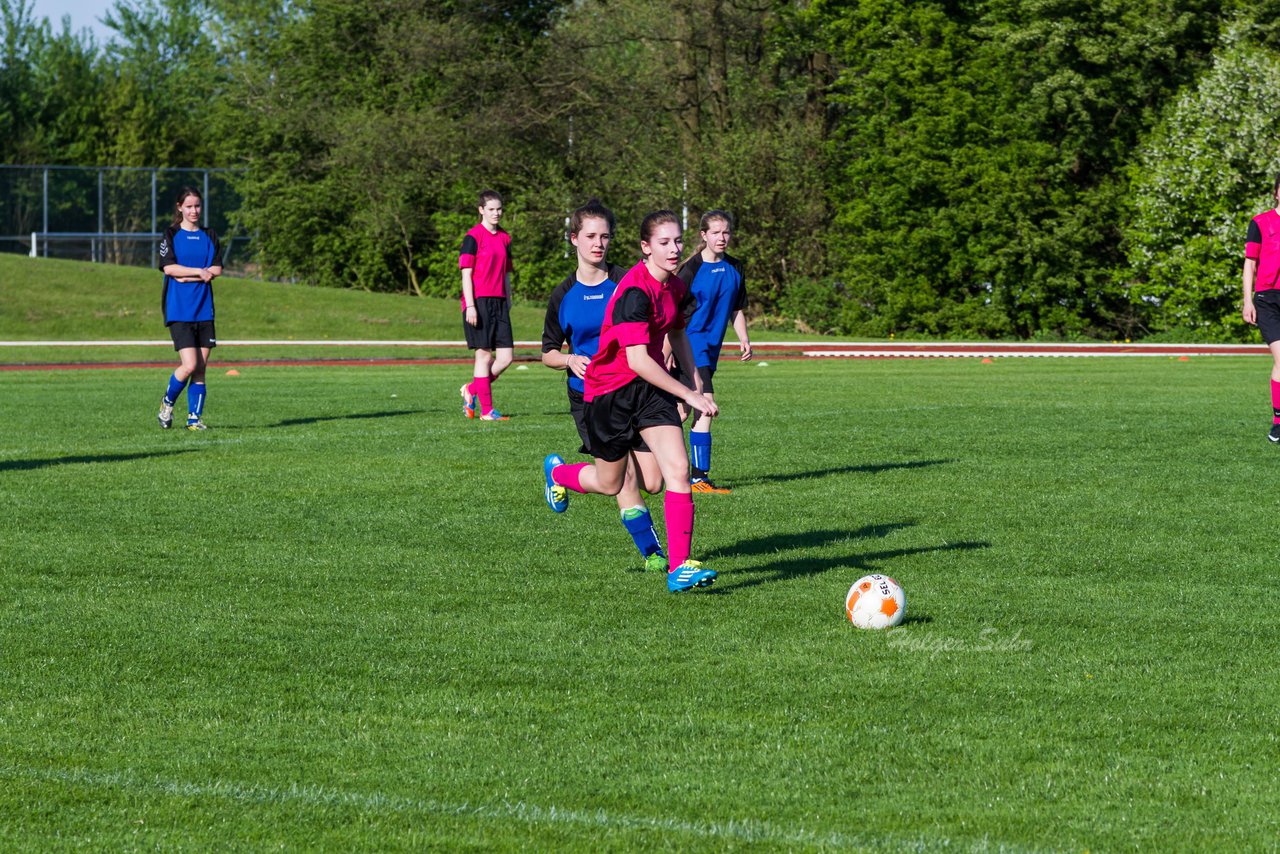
875 602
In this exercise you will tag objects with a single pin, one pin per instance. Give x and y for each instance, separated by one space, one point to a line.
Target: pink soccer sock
1275 402
678 507
480 388
569 476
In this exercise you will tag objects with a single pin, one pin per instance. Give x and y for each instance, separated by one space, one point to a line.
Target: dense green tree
1008 168
981 149
1199 178
51 90
366 130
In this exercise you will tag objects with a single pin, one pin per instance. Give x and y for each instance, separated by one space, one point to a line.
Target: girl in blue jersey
575 314
716 281
191 258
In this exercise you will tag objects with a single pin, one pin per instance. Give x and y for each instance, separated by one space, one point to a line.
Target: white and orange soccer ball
875 602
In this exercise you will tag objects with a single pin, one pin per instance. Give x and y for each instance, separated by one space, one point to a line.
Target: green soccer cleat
656 562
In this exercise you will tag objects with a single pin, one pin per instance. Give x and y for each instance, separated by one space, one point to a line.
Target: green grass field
344 619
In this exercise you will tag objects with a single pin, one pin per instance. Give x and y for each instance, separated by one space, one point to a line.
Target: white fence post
33 244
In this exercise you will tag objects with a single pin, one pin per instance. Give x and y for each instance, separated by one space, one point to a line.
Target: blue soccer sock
639 525
700 449
175 388
195 401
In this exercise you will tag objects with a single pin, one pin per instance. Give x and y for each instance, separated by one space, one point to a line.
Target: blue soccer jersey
188 301
575 314
719 291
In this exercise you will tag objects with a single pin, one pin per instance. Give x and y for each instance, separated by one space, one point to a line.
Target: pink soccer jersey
629 320
489 257
1263 245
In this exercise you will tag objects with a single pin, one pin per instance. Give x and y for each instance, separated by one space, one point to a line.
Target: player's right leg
184 343
1274 435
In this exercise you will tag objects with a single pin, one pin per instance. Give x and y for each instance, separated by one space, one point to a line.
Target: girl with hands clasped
191 258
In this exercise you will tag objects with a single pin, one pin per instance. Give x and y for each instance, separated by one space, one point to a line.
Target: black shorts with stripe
1267 305
493 325
614 420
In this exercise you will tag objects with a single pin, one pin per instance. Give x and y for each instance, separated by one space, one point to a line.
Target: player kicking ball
630 399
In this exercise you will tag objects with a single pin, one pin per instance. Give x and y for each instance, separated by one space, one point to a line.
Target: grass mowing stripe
750 831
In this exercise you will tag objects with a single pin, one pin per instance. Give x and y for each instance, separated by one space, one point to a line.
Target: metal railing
107 214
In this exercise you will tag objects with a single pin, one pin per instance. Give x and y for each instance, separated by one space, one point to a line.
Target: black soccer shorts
614 420
189 334
493 324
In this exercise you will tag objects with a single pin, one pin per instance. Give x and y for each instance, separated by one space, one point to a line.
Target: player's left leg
197 391
503 357
501 343
666 442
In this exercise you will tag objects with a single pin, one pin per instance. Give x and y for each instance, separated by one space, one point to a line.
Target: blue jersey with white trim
188 301
575 314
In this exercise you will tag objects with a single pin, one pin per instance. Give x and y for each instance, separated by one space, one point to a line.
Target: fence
110 214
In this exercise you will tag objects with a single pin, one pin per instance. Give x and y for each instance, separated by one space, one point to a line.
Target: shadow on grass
28 465
867 562
865 468
806 539
316 419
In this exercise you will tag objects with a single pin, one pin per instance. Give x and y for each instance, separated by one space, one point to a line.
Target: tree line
956 168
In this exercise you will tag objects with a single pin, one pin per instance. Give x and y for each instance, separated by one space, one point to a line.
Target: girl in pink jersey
630 398
1262 292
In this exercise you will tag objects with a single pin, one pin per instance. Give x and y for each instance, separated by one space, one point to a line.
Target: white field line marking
852 348
732 829
1002 354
